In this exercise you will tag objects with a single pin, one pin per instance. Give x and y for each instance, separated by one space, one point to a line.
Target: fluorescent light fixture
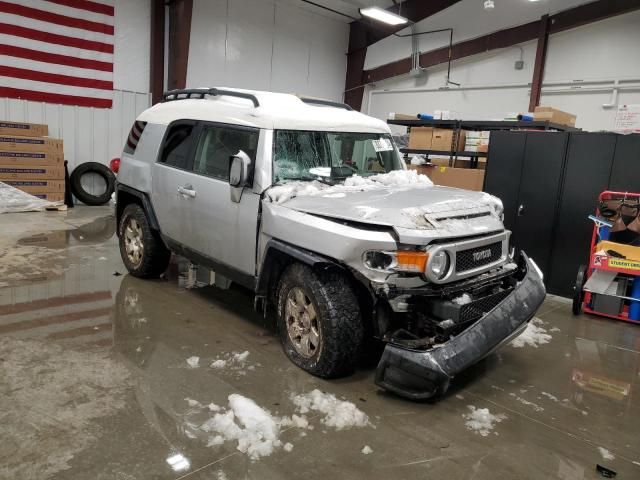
383 16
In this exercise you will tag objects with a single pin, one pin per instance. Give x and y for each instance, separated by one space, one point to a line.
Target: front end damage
446 329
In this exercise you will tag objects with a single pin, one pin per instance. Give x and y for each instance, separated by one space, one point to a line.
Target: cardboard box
466 163
443 139
402 116
32 158
554 115
31 172
38 186
30 144
23 129
465 178
420 138
52 197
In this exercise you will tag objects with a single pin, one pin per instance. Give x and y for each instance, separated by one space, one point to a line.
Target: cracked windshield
332 156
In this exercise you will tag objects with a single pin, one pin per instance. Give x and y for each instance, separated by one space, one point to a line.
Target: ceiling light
383 16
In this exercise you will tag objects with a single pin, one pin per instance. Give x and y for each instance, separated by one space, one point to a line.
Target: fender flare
144 201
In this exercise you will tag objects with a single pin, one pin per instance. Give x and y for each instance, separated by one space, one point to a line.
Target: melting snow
193 362
366 450
606 454
234 361
355 183
533 335
481 420
287 447
549 396
337 413
463 299
524 401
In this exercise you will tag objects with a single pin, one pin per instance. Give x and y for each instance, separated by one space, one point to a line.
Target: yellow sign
622 263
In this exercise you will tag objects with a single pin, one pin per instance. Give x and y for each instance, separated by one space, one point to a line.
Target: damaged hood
415 212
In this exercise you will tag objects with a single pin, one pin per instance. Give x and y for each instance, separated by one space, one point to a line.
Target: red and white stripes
57 51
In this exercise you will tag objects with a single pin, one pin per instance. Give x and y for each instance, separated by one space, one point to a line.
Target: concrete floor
93 381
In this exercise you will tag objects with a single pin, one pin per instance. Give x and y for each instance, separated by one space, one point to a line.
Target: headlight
397 261
496 205
439 264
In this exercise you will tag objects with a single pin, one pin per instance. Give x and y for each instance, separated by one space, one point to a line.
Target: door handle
521 210
187 190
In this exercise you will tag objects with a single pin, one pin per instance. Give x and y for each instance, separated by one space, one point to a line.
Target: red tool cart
610 285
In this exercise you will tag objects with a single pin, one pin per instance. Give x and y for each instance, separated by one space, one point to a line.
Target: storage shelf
446 153
484 124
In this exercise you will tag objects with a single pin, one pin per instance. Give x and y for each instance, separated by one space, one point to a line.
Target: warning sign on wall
627 119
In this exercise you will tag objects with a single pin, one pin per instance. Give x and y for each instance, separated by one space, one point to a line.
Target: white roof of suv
275 111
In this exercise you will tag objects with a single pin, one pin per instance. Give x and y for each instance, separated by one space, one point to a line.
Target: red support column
179 35
156 64
541 58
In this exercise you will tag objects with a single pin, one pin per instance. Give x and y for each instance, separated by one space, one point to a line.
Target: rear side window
176 146
134 137
216 146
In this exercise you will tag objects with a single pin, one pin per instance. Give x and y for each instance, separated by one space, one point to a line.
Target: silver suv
309 204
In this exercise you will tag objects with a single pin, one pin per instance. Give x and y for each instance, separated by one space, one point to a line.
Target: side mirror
238 174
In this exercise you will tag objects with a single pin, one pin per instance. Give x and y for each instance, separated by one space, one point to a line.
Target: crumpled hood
413 211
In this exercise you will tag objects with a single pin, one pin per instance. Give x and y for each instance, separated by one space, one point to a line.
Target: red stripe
55 58
55 38
55 98
55 78
44 16
87 5
55 302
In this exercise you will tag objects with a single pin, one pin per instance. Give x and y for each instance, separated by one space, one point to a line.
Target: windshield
306 155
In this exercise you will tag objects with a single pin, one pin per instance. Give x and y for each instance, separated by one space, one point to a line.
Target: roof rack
201 92
326 103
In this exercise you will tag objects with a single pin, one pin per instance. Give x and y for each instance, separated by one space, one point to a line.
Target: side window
176 146
217 144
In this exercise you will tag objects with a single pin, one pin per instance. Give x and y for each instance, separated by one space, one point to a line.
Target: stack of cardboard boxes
443 139
31 161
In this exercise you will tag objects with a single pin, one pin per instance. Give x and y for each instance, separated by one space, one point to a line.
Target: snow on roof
276 111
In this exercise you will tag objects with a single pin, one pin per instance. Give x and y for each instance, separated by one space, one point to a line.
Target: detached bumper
420 375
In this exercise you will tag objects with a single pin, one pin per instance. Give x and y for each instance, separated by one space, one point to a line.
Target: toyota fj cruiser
310 205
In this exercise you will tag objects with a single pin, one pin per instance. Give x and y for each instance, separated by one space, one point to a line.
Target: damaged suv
309 204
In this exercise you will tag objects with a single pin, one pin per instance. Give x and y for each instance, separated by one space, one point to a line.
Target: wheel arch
126 195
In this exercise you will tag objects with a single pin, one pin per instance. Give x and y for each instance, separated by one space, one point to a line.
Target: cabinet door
504 168
625 172
538 197
587 172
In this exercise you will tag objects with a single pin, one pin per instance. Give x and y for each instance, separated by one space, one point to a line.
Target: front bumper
419 375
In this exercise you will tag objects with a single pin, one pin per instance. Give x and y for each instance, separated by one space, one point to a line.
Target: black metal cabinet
625 171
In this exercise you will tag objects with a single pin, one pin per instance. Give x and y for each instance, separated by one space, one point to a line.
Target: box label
625 264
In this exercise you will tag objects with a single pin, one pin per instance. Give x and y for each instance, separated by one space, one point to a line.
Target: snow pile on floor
355 183
606 454
367 450
481 421
233 361
337 413
533 335
193 362
463 299
255 430
524 401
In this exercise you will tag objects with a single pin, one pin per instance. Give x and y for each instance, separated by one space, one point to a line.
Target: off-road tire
155 256
81 194
338 316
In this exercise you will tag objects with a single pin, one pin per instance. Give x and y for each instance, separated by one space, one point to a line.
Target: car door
172 192
221 229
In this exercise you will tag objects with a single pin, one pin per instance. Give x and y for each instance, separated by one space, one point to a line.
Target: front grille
474 310
478 257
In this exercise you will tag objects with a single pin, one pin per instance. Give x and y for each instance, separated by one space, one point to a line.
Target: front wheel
319 321
141 249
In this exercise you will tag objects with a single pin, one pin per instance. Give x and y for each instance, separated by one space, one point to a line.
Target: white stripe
55 48
42 26
68 11
55 88
18 62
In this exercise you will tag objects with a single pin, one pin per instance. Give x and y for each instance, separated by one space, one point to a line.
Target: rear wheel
141 249
319 321
578 293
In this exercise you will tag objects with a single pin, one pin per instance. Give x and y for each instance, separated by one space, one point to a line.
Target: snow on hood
402 199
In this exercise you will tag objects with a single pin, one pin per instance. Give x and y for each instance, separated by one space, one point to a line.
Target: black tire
337 318
86 197
153 257
578 293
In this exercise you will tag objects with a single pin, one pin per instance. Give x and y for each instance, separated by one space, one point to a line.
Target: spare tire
92 191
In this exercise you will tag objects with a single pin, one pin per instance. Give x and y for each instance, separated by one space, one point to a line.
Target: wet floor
95 382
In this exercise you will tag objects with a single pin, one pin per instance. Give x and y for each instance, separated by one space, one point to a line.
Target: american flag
57 51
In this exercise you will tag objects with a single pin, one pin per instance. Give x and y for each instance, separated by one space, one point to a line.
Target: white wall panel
89 134
131 45
267 45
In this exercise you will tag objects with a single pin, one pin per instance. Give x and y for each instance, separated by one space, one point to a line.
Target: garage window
218 144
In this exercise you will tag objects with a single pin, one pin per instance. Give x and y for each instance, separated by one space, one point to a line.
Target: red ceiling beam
572 18
541 60
179 34
156 64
